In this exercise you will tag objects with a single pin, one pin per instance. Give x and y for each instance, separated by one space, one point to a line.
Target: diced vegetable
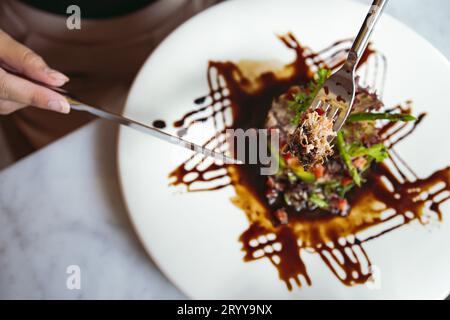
359 162
318 171
346 181
303 175
294 165
340 204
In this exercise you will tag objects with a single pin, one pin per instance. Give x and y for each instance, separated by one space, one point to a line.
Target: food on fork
310 141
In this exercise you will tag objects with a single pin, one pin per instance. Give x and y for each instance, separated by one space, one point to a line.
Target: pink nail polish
61 106
57 76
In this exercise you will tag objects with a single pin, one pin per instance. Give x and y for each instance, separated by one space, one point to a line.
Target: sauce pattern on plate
392 196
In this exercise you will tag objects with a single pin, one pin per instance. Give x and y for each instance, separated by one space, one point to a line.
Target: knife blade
152 131
143 128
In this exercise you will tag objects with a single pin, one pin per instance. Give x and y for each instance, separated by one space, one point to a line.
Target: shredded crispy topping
310 141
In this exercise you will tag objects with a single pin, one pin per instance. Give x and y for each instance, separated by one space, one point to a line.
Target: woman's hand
17 93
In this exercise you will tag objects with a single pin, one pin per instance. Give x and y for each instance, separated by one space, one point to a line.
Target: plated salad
317 166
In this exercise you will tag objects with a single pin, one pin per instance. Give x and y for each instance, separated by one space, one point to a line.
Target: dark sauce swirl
336 240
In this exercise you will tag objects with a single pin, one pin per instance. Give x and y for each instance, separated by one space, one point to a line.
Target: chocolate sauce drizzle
160 124
391 197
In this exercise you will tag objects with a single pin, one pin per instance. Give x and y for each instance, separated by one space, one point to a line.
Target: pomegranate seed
270 182
346 181
342 204
271 193
282 216
320 111
287 156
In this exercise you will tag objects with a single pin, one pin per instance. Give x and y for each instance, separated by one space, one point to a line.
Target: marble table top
62 207
64 231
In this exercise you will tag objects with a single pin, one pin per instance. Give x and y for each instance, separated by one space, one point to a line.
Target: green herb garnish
318 201
302 101
343 150
372 116
378 151
330 186
344 189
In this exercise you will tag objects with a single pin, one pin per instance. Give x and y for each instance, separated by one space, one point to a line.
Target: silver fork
338 92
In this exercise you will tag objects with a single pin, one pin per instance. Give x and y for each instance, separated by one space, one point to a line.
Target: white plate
193 237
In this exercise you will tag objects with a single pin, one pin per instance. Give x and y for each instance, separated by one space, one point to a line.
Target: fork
337 94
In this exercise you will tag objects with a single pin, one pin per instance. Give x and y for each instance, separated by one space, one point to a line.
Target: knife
152 131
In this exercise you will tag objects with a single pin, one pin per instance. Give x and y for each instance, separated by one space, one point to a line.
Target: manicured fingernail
61 106
57 76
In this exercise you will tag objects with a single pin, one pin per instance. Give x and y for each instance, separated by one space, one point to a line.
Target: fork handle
362 39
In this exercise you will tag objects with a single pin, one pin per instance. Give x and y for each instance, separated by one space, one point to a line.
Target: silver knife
79 106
